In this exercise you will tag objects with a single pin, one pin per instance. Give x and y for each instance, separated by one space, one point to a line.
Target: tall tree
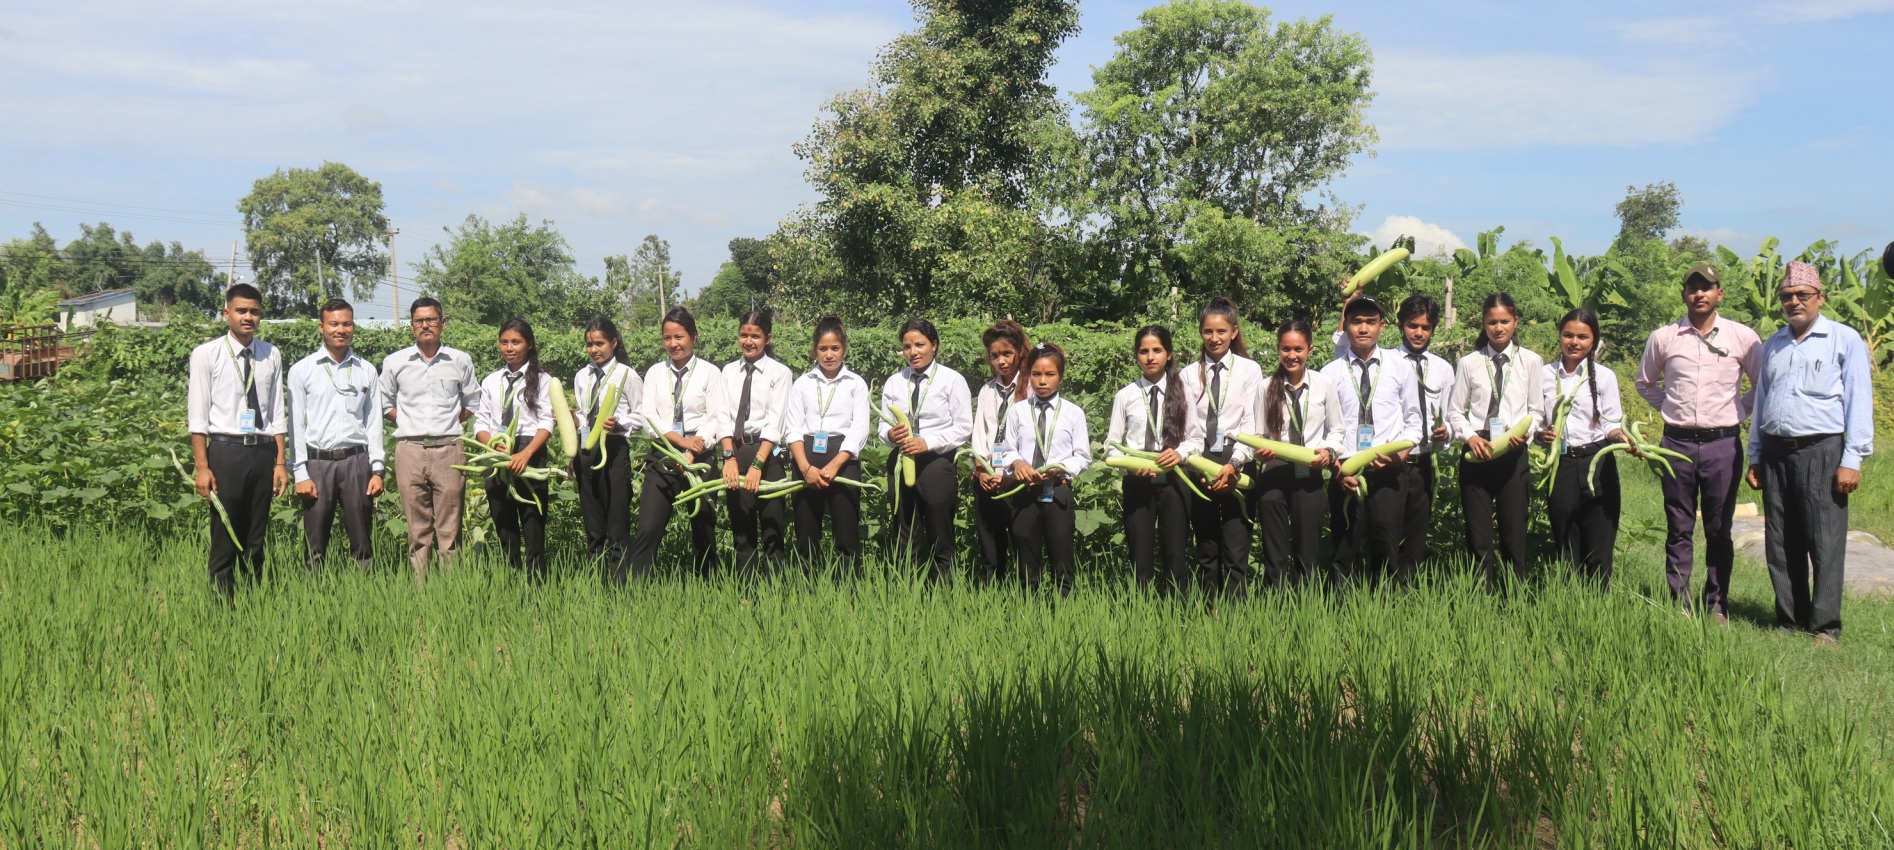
651 285
1207 144
489 273
1649 213
928 174
313 234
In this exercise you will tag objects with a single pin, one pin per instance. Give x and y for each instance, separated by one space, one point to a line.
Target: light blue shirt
1818 385
333 405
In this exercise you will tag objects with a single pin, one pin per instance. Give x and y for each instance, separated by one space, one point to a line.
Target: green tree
489 273
33 277
1649 213
164 276
725 296
1206 145
928 176
651 286
311 231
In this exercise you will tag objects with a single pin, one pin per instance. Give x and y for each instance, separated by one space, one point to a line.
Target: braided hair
1498 300
1174 411
1589 319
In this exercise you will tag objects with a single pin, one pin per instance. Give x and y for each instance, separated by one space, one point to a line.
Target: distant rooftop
96 297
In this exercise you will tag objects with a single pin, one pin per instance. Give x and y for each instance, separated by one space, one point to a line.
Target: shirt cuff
301 471
1850 460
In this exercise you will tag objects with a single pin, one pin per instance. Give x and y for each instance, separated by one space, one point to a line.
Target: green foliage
645 281
489 273
1649 213
164 278
68 459
314 234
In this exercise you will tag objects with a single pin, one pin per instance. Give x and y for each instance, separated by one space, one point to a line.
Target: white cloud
1681 32
1429 239
1447 102
1816 11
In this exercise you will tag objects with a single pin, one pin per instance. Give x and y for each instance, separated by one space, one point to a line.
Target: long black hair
1498 300
1590 320
1007 330
533 370
1221 306
609 329
1279 388
829 324
1174 408
683 319
761 319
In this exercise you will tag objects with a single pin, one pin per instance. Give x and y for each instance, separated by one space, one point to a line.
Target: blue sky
617 120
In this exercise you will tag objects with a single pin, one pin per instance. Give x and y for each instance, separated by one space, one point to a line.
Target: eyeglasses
426 323
1803 296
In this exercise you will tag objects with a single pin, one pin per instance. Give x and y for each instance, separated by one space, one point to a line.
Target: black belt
746 440
1797 442
336 454
1588 449
429 442
242 439
1700 435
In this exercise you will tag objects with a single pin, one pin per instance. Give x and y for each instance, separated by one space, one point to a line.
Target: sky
620 119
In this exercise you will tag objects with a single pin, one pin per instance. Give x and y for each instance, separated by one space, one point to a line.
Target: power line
126 206
117 214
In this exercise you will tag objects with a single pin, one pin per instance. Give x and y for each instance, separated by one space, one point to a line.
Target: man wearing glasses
1814 423
1692 372
427 390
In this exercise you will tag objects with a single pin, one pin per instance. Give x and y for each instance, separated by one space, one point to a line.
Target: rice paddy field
355 710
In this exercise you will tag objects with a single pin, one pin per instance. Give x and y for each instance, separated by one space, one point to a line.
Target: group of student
756 420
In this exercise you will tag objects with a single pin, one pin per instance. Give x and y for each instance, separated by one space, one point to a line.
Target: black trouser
605 505
1042 535
1496 488
1418 511
1223 538
1584 520
1374 523
841 502
993 521
929 504
756 522
1805 530
662 484
519 520
244 486
1292 511
341 486
1157 521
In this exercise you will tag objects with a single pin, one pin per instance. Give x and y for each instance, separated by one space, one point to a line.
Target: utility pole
394 276
231 279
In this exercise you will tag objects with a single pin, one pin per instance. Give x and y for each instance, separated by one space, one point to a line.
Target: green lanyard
927 386
1492 373
822 404
677 397
598 388
1044 440
249 380
1362 400
1223 393
348 373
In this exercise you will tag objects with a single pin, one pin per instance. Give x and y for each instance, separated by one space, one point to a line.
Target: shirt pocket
1819 379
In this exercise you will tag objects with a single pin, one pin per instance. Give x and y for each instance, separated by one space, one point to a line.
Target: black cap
1363 304
1887 260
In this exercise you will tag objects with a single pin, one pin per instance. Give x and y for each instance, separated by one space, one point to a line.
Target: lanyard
822 404
598 387
1223 392
1044 440
927 386
1705 339
249 378
1296 415
1151 409
677 397
1492 373
1363 400
348 372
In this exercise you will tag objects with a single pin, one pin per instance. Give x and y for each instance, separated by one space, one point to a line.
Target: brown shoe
1722 619
1826 640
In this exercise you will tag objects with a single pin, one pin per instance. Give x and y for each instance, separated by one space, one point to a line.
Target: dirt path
1870 564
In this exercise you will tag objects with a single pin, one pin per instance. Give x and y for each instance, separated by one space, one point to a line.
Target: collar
1047 403
1218 361
440 353
1405 351
1685 327
1510 349
1560 365
756 364
1146 384
346 356
927 372
688 366
841 374
1299 384
512 375
230 339
1348 353
1818 328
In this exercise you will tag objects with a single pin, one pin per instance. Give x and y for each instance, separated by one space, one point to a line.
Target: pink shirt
1692 385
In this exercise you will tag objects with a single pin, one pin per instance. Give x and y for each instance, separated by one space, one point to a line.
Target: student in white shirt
335 438
1376 389
1149 415
1046 445
516 399
1584 519
605 493
825 427
234 408
683 401
1006 347
755 397
940 408
1418 317
1303 408
1493 388
1221 389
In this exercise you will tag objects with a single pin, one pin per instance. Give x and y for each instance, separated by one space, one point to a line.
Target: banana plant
1591 282
1862 296
1754 280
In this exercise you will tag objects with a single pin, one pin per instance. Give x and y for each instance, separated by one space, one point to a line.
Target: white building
118 306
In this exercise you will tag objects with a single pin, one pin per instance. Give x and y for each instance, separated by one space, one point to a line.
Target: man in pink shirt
1692 373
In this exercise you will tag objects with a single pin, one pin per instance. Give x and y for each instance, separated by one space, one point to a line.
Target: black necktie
598 392
1366 394
1499 383
1420 386
743 401
1210 421
506 408
677 396
914 402
1043 439
1150 421
249 380
1006 402
1295 414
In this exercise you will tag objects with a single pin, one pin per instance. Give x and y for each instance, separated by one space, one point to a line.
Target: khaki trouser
433 495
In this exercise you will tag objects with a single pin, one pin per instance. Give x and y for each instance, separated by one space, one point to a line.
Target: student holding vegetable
926 414
608 393
1300 408
756 395
1419 316
1381 421
683 403
1047 445
428 390
1584 504
516 418
234 408
1496 397
1006 348
1149 415
825 426
1221 388
335 438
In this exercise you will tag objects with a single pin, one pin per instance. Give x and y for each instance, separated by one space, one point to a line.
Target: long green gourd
1299 455
1503 444
1359 461
1373 270
562 419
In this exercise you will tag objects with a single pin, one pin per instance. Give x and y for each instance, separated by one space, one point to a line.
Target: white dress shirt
1131 421
818 405
217 395
1242 383
769 398
1436 380
1473 388
333 405
1580 429
945 419
990 408
1067 443
1320 412
534 411
1391 398
701 400
427 396
588 390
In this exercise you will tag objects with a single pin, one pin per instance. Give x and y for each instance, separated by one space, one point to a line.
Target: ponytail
1278 385
1500 300
1589 319
1175 410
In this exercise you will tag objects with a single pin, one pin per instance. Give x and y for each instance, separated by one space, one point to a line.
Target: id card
820 445
1364 438
246 422
1496 427
995 460
677 427
1045 492
1216 444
